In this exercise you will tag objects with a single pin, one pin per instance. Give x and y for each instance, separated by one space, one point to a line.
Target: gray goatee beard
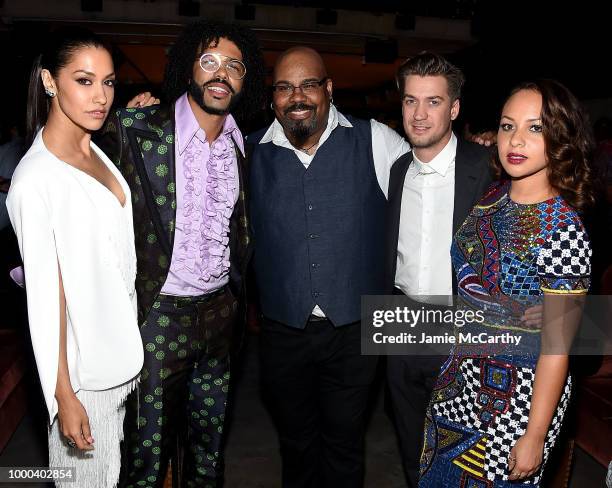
300 130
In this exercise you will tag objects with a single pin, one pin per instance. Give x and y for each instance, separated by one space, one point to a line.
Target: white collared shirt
387 147
426 226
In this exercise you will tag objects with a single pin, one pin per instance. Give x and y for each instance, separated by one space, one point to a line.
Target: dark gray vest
318 234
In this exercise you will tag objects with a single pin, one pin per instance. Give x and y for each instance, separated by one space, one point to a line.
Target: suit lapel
398 175
240 209
396 188
239 241
153 152
466 180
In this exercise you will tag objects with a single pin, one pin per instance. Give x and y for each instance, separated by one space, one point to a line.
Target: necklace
306 149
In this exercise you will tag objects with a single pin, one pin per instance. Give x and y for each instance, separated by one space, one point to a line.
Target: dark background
511 41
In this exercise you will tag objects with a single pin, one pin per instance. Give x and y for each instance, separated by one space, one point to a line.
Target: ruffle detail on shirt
207 208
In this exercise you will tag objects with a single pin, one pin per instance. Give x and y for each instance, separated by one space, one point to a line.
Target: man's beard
430 140
300 130
197 94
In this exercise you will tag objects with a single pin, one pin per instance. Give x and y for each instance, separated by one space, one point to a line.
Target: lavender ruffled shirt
206 191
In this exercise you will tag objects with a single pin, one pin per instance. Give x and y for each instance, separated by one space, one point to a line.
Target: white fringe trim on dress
98 468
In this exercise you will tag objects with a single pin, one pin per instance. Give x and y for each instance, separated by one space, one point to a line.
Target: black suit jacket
472 177
141 143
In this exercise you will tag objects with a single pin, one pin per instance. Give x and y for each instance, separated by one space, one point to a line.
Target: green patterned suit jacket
140 141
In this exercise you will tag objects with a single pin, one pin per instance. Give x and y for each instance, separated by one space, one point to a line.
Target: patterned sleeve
564 261
109 137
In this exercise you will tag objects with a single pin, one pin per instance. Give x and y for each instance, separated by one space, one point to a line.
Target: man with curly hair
184 162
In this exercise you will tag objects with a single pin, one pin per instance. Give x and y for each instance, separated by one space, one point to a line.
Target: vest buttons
310 206
313 236
316 294
315 265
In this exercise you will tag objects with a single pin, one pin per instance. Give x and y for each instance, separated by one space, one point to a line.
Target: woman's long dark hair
568 142
57 53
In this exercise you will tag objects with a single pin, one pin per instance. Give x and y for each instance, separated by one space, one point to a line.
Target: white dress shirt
426 226
387 147
62 216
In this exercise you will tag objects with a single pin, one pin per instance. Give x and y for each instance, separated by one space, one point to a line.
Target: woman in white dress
72 213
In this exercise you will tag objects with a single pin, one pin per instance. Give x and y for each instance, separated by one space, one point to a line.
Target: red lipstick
515 158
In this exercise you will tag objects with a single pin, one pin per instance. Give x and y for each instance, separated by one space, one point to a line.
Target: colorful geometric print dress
508 255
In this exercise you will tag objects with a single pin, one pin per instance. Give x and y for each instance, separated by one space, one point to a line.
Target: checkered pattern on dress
503 433
506 428
566 253
543 248
462 408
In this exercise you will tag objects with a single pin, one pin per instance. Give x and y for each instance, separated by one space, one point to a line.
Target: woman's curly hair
204 32
568 142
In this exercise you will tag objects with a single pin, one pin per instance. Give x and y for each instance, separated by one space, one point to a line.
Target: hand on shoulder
144 99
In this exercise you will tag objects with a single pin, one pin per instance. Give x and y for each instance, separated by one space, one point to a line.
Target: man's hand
533 317
145 99
487 139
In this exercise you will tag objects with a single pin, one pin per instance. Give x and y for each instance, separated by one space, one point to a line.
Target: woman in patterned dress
495 414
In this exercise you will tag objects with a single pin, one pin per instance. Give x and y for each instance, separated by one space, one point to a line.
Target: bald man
318 199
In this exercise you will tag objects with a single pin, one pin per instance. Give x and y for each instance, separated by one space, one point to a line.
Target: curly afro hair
205 32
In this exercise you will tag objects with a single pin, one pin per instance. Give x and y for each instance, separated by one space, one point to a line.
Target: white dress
61 215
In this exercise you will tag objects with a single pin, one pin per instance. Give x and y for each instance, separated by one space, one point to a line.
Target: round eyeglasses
212 62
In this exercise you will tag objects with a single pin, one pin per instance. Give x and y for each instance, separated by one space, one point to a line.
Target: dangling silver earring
49 92
272 106
331 100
